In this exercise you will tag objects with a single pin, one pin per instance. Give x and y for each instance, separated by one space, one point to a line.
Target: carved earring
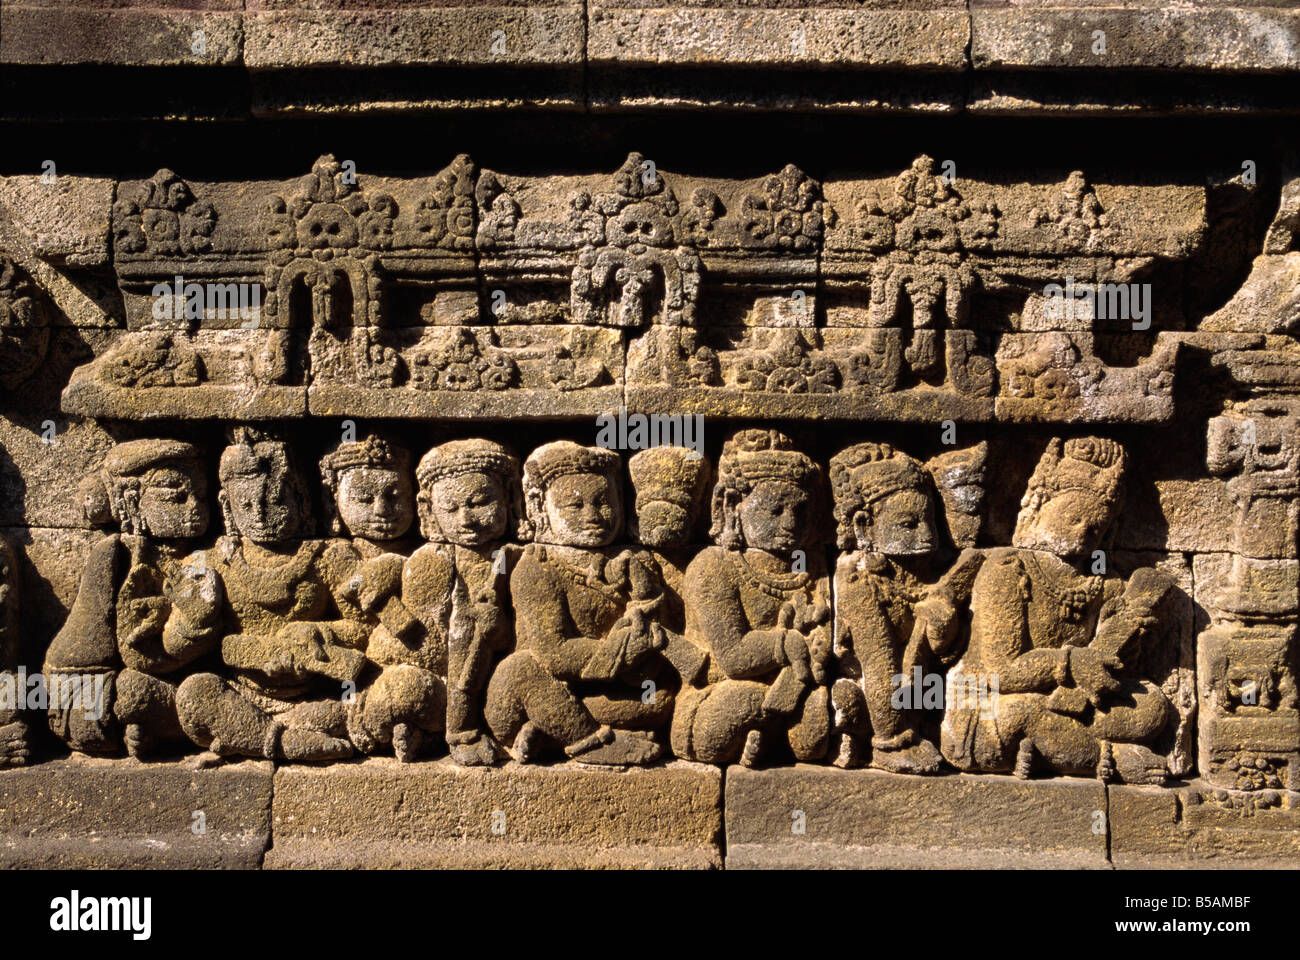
862 529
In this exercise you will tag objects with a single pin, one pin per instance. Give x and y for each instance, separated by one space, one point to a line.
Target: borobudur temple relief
774 500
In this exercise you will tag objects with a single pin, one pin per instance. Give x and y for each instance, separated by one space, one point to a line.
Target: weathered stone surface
788 449
873 819
1198 826
113 814
75 34
826 37
534 34
1229 40
66 219
441 815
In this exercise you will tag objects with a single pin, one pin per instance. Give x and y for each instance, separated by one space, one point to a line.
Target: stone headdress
668 475
457 457
374 451
557 459
748 458
1092 464
864 474
126 471
254 452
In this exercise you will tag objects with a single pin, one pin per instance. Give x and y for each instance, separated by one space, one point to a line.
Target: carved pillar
1250 722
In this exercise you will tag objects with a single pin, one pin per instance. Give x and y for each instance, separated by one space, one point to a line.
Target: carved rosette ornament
161 218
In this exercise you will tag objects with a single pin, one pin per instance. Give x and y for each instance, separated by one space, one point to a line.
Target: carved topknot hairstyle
863 474
458 457
552 460
373 451
666 475
125 470
669 474
748 458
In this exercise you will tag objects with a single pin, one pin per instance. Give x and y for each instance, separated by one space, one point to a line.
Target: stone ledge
381 813
825 37
272 58
94 813
532 35
73 34
1198 826
868 818
1225 40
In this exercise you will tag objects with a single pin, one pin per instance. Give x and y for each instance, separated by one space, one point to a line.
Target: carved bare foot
920 757
205 761
1134 763
528 743
848 753
753 752
136 740
312 746
407 741
624 749
15 744
1024 760
482 751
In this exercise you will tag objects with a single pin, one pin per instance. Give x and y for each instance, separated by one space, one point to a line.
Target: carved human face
261 505
662 524
1071 524
470 508
583 510
173 503
375 502
774 516
902 524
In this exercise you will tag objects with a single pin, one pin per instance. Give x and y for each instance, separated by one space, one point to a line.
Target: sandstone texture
699 434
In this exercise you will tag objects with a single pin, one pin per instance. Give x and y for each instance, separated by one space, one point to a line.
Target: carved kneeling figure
292 655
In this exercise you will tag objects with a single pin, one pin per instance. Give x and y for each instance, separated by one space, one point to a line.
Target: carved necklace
274 587
778 586
1071 604
582 578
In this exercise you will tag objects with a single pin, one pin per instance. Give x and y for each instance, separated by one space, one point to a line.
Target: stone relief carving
1065 644
147 608
581 603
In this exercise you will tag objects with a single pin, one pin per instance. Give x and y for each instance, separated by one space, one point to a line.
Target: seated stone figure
292 654
886 526
670 487
144 610
369 499
586 635
1063 643
759 602
456 584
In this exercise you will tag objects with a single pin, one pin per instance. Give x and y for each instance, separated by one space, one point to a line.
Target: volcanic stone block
504 36
1223 40
73 34
94 813
807 816
1203 827
823 36
383 814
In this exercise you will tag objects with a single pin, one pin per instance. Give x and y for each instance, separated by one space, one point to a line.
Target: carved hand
1092 672
196 594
